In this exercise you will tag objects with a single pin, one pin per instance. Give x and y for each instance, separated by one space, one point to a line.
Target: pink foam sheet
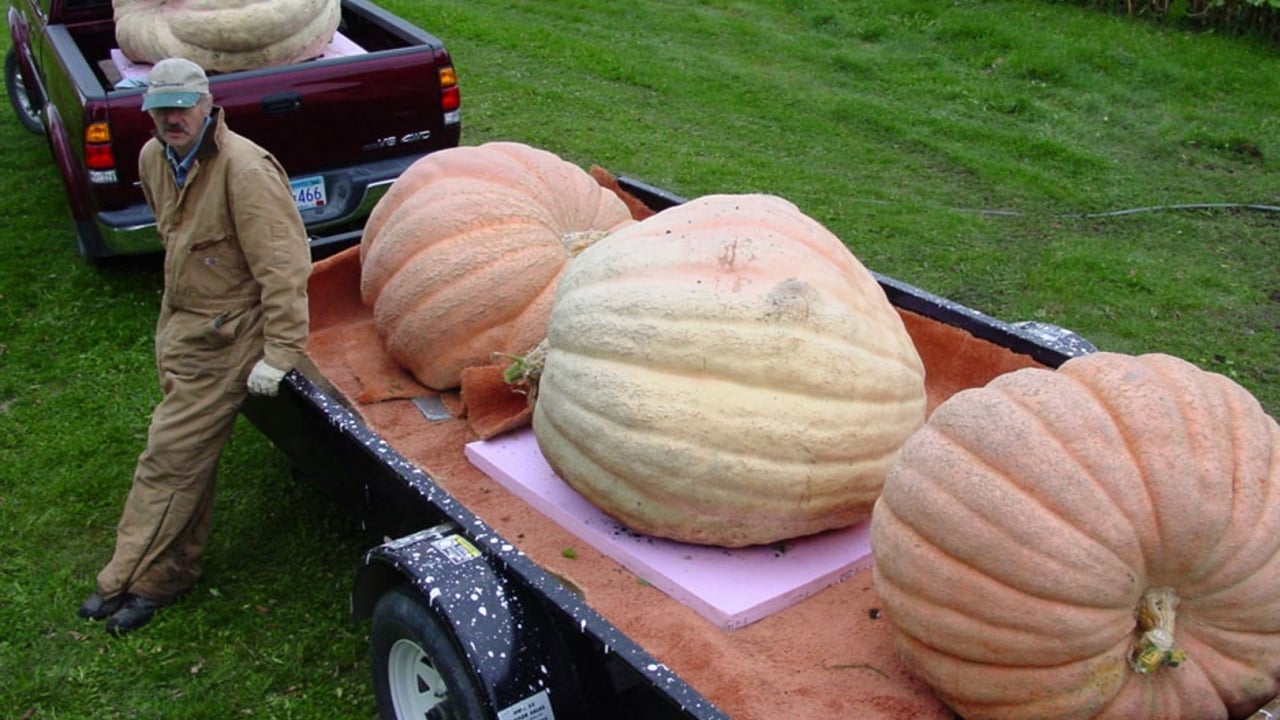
729 587
134 74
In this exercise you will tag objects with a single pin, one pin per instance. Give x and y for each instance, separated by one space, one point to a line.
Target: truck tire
25 106
418 670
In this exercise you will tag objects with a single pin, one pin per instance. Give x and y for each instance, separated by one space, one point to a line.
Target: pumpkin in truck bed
225 35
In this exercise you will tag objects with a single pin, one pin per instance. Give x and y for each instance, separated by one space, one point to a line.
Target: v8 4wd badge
394 140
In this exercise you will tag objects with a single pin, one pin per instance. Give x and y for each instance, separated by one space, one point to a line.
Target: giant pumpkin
1100 541
726 372
461 257
225 35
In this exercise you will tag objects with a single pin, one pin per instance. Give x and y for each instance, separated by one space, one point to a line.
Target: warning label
456 549
534 707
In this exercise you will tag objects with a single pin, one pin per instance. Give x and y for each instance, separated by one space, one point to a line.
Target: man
233 320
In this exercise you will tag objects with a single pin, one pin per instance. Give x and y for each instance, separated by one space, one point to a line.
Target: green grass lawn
901 125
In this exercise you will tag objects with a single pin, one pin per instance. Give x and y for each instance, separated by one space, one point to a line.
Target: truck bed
368 48
829 655
314 116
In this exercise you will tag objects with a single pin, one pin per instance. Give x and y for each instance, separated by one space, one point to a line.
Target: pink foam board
730 588
130 71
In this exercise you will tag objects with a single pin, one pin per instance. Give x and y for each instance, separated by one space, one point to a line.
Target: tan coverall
235 274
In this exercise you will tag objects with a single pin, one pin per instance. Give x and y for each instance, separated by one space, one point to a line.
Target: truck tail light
450 98
97 147
99 157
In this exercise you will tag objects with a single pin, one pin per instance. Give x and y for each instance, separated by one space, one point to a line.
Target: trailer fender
440 598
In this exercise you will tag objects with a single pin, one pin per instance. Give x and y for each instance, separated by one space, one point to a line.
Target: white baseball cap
175 83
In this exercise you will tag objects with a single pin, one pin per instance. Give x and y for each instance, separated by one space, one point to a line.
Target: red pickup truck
381 95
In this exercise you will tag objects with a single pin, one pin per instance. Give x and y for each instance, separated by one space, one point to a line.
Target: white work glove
264 379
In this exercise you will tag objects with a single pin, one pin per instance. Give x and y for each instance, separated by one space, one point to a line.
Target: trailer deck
829 654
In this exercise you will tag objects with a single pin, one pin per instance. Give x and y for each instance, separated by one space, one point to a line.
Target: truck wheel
418 670
21 100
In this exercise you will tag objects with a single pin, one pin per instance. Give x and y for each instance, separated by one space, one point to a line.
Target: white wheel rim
24 99
416 685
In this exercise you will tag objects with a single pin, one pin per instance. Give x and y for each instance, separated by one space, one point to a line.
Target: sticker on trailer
534 707
456 549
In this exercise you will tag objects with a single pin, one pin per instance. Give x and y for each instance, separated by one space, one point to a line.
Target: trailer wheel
19 95
418 670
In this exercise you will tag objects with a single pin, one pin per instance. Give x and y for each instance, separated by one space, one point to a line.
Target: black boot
135 612
98 608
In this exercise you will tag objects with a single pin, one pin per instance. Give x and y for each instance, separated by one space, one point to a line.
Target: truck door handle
282 102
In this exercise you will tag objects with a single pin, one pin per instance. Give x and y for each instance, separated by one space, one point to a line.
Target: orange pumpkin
726 372
461 258
1100 541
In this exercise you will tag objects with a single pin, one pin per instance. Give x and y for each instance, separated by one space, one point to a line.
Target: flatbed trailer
482 606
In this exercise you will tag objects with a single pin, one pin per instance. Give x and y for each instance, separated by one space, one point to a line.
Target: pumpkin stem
1154 648
576 242
525 369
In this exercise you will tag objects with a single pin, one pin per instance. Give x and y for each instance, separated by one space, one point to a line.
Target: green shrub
1257 18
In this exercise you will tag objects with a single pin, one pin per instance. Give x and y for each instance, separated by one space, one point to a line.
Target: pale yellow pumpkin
726 372
461 258
225 35
1102 541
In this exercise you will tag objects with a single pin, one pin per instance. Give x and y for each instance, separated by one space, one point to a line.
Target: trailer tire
418 669
25 100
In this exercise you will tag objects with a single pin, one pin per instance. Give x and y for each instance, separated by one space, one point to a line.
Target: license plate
308 192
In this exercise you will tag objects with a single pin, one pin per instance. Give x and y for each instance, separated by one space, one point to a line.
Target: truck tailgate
333 112
343 111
